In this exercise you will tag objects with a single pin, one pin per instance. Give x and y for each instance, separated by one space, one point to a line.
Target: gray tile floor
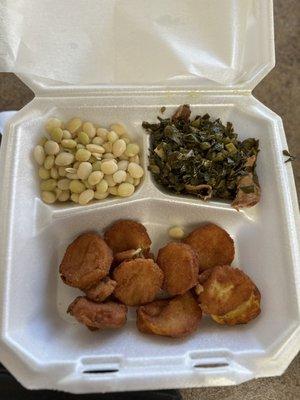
279 91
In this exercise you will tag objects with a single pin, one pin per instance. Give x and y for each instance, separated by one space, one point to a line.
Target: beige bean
64 184
89 128
56 134
39 154
48 197
51 147
76 186
119 146
80 146
49 162
51 124
62 171
102 133
123 157
101 196
74 197
118 128
98 140
74 125
54 173
44 173
135 159
112 136
125 189
107 147
64 159
108 156
119 176
135 170
95 177
129 179
113 190
48 185
82 155
83 138
67 134
94 148
176 232
136 181
102 186
64 195
85 197
132 149
84 170
110 180
122 165
69 143
109 167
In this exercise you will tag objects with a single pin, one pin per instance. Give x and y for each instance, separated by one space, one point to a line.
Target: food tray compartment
44 347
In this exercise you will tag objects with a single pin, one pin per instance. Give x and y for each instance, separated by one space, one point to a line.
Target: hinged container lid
119 44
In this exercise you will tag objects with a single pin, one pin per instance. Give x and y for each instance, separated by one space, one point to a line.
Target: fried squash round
177 317
179 263
126 235
86 261
244 313
98 315
102 290
224 290
138 281
213 245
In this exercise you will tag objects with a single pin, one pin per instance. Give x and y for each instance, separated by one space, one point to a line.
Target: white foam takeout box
120 61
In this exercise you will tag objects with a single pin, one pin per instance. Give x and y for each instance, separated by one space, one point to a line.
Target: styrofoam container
45 348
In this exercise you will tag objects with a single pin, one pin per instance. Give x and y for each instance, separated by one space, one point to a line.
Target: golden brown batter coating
138 281
224 290
213 245
177 317
98 315
86 261
179 263
127 235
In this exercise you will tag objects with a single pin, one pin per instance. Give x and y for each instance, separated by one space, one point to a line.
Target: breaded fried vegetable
86 261
102 290
244 313
213 245
224 290
179 263
98 315
138 281
176 318
127 235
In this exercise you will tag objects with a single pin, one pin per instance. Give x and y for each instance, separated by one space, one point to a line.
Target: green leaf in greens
202 151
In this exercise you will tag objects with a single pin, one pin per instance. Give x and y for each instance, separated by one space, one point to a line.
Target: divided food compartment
45 348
